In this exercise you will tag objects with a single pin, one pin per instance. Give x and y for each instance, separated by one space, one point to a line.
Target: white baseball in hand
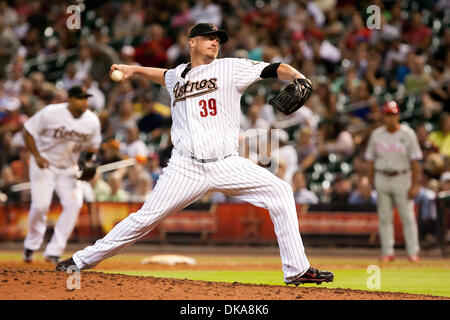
117 75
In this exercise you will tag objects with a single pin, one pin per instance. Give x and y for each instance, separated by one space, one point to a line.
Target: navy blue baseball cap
78 92
203 29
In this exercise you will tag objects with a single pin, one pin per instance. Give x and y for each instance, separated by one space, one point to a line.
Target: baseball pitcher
205 104
55 136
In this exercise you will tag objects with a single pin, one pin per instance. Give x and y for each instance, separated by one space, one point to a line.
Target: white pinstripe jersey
205 105
60 137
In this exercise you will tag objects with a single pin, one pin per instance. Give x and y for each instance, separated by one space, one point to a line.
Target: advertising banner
224 222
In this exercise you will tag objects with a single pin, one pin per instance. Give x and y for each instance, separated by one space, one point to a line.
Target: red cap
390 107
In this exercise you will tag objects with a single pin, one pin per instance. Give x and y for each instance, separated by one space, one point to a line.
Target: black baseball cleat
66 264
28 255
313 276
53 259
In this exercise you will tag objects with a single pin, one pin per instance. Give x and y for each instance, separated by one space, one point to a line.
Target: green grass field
431 277
432 281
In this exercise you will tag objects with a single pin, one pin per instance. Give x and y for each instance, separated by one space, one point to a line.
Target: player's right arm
369 156
154 74
31 146
371 173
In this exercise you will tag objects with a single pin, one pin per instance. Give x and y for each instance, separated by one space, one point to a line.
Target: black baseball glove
87 170
294 96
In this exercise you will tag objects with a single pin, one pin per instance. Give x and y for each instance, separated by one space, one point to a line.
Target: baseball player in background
55 136
205 106
394 153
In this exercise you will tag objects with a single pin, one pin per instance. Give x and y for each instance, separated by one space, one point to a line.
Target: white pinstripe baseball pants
67 187
183 181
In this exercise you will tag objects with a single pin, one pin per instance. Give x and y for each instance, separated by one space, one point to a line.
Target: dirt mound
30 284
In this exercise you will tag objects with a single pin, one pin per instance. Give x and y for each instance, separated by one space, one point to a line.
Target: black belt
209 160
392 173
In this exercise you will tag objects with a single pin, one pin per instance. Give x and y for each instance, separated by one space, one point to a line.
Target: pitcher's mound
27 283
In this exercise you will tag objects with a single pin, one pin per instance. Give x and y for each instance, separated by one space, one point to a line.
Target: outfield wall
212 223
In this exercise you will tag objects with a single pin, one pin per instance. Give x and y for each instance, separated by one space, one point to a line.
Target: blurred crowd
354 69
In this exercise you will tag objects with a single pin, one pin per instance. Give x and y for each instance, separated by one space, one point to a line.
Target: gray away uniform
392 154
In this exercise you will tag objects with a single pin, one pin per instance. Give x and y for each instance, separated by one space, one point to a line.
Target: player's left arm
369 157
295 94
281 71
416 172
89 154
86 164
92 148
246 72
287 72
415 155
